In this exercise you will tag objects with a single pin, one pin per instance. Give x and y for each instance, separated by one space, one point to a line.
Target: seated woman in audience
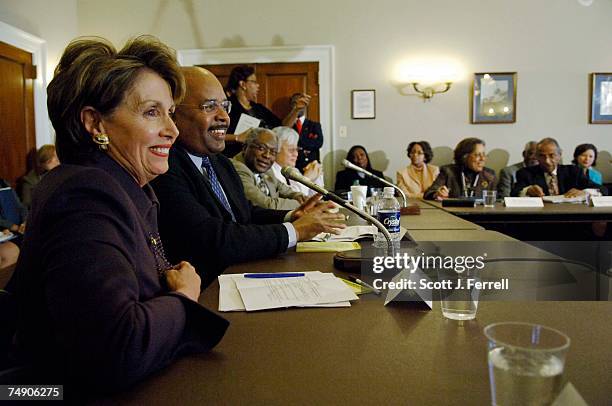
100 306
467 177
585 156
348 177
417 177
287 156
46 159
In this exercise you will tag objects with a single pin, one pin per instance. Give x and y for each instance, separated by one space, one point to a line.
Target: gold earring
102 140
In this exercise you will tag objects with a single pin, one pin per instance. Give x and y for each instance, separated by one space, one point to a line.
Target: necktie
553 185
262 185
298 125
216 186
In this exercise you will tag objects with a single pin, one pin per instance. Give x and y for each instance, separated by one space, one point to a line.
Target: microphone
294 174
349 165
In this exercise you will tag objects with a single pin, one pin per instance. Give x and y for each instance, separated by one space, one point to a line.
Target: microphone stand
288 173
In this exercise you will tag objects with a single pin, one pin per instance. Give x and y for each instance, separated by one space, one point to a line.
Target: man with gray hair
549 178
507 176
253 166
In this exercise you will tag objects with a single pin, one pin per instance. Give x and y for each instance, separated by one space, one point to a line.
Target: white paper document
315 289
6 236
563 199
350 233
245 122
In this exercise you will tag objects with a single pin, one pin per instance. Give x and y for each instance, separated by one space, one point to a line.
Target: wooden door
278 81
17 132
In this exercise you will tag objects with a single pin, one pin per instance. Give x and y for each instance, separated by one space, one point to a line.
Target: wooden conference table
552 222
562 212
369 353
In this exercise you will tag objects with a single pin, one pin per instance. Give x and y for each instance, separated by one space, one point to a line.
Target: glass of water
489 197
459 293
526 363
372 201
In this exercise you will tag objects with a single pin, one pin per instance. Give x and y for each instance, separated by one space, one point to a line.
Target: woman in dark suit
348 177
100 307
467 177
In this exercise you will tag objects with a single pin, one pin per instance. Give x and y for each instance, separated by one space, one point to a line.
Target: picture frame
363 104
493 98
600 96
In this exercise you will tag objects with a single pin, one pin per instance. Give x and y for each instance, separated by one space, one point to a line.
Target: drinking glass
526 363
489 197
459 293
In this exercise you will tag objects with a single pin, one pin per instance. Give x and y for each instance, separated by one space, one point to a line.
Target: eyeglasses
212 106
264 149
252 81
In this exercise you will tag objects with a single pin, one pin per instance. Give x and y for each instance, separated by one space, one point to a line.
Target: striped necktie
262 185
553 185
216 186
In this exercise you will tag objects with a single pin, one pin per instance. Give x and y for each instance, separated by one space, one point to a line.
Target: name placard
523 202
602 201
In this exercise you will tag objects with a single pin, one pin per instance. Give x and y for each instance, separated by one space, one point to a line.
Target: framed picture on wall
363 104
493 98
601 98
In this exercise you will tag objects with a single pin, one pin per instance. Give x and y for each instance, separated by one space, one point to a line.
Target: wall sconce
427 76
427 92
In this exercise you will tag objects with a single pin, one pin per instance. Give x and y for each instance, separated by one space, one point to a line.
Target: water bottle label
390 219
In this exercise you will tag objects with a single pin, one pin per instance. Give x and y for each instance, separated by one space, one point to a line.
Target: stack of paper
350 233
326 246
6 236
563 199
314 289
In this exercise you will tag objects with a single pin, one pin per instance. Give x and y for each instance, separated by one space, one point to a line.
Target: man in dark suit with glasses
205 217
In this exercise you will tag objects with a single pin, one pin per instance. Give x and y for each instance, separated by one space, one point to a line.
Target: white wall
552 44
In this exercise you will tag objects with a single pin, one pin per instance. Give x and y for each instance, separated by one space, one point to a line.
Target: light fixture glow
428 76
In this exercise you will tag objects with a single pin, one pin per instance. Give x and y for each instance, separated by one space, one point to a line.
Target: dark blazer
450 176
309 143
346 178
568 177
23 211
91 308
196 227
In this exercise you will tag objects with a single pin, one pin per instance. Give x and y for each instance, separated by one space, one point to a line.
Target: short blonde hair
92 73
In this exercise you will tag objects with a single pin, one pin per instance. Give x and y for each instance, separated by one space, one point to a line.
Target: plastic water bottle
388 213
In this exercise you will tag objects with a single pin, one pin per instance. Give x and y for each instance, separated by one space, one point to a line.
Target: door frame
38 48
323 54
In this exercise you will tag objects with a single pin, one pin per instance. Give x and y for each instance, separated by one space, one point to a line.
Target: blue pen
272 275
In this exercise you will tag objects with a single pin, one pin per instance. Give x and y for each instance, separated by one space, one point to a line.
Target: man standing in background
311 135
